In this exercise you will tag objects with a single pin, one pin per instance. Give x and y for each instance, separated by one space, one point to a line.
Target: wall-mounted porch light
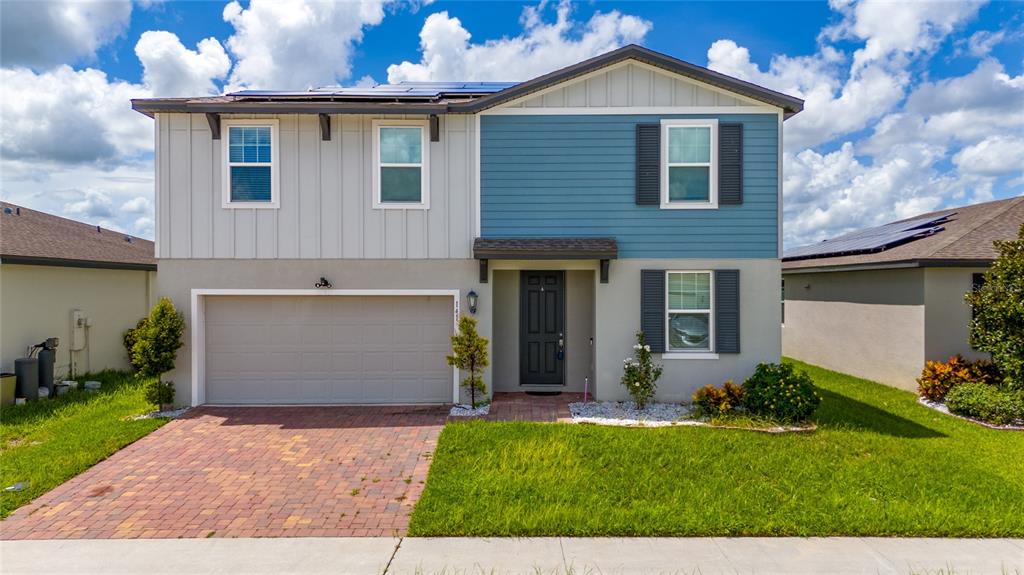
471 297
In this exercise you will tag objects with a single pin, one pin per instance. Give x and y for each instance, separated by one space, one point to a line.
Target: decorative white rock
463 410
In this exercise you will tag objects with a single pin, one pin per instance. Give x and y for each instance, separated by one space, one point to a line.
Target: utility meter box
78 324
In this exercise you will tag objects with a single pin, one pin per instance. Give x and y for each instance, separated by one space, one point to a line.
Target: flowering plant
640 374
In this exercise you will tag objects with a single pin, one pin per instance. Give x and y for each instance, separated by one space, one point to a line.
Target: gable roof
37 238
965 239
450 97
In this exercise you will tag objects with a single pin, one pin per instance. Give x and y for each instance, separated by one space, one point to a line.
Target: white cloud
143 226
981 43
295 44
70 116
449 54
138 205
41 34
897 29
92 206
993 156
832 193
963 109
86 192
903 167
832 107
171 69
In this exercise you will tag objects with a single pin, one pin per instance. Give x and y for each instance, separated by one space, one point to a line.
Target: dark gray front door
542 328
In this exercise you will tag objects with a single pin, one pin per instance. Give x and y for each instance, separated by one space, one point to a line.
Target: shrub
640 374
780 392
157 343
131 336
469 353
998 324
711 401
986 402
938 377
159 392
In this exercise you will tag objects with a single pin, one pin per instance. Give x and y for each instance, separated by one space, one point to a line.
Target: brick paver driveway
249 472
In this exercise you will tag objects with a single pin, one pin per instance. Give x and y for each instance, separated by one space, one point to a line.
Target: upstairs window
250 169
400 175
689 159
689 308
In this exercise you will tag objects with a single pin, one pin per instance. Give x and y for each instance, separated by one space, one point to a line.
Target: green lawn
45 443
879 464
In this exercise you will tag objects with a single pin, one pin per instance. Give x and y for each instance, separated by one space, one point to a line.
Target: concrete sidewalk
538 556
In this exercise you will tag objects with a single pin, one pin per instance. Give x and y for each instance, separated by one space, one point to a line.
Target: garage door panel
328 349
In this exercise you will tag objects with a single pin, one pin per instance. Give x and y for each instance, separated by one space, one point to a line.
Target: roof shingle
967 237
31 236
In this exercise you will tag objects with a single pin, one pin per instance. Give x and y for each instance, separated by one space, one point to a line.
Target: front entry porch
544 311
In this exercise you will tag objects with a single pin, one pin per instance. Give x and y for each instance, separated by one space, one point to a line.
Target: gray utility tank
26 372
47 359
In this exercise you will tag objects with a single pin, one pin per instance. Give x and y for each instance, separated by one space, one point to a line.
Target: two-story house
323 243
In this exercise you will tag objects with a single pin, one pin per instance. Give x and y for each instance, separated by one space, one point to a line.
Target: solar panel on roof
402 89
872 239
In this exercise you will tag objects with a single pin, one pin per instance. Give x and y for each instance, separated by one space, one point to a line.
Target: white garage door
328 349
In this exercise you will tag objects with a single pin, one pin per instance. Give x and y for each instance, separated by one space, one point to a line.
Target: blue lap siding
575 176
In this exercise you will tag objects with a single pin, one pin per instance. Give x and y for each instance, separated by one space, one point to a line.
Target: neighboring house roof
449 97
962 237
33 237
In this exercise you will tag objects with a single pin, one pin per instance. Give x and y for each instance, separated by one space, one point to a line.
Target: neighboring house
630 191
80 283
879 302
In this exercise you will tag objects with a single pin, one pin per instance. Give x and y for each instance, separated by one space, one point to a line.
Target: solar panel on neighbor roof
873 239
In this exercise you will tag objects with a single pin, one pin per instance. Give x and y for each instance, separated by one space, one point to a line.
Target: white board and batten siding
326 202
632 85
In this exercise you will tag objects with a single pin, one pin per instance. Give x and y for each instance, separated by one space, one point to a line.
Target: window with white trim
689 159
400 174
689 306
250 172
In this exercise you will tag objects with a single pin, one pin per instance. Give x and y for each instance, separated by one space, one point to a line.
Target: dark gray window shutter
652 308
648 164
727 311
730 164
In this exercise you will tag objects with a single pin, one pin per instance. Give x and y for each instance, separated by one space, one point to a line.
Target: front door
542 328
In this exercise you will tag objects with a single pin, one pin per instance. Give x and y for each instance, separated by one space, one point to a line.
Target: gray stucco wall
866 323
616 308
177 278
36 303
618 319
947 315
881 325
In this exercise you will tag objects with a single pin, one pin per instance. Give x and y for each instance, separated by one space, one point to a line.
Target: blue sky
910 106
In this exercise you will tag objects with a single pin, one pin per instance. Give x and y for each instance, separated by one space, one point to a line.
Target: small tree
998 324
155 349
130 337
469 353
640 374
